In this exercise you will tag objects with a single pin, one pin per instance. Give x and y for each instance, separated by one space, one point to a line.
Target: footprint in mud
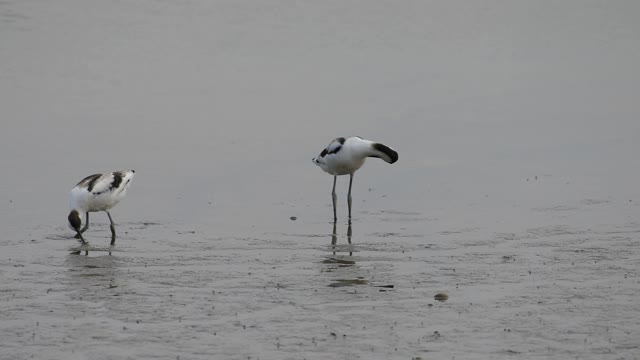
349 282
340 262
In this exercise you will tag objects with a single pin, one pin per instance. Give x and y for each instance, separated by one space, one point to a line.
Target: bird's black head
74 220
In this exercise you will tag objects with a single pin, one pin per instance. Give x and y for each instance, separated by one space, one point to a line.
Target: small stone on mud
441 297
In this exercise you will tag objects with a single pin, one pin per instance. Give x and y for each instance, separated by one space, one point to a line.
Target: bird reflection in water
337 258
86 248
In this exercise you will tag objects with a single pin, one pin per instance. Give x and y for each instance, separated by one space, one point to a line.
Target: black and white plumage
98 192
346 155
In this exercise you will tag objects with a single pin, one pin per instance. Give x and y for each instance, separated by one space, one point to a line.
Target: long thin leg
113 229
86 224
334 238
79 236
349 196
334 197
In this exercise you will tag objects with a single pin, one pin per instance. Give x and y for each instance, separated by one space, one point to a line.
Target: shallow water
515 194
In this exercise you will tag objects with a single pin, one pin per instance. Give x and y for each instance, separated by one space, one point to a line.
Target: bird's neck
361 148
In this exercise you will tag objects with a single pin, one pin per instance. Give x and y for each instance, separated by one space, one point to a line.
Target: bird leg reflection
334 237
349 233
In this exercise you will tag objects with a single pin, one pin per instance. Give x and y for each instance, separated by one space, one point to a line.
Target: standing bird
98 192
346 155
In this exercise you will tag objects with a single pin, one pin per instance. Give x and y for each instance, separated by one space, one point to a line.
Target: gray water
516 194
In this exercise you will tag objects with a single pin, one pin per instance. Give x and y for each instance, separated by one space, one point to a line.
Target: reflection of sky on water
222 110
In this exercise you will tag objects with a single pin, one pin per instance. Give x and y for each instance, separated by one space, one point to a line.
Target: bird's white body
102 195
98 192
344 156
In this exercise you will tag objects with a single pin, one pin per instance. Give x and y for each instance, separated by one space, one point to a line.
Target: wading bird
346 155
98 192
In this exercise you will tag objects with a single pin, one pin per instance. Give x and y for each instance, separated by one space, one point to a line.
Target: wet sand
169 291
508 228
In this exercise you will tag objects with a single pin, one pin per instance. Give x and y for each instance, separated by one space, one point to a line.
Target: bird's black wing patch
89 181
333 147
107 183
117 180
335 150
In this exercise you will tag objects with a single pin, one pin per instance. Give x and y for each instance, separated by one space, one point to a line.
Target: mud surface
508 229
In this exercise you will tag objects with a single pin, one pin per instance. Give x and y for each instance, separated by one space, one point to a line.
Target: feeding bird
98 192
346 155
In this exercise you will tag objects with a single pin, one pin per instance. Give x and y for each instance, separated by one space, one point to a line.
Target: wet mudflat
509 228
168 291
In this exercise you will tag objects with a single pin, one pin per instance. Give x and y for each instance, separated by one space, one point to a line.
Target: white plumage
98 192
346 155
